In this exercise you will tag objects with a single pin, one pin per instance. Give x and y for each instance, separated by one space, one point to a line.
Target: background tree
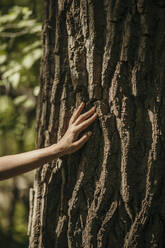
111 193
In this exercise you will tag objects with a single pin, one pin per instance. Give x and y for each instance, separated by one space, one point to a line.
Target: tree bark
112 192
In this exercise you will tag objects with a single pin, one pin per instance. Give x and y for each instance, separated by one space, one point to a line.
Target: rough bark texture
111 194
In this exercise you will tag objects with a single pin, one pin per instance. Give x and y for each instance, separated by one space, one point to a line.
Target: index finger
77 113
87 122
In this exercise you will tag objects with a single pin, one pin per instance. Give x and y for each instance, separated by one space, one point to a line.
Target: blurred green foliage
20 53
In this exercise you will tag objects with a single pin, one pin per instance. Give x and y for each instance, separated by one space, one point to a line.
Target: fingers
79 143
86 123
77 112
85 115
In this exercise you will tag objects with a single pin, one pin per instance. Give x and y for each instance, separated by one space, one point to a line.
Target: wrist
56 150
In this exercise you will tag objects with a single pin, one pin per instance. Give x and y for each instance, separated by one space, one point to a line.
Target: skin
13 165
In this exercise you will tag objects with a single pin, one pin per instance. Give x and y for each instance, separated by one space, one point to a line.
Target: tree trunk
111 193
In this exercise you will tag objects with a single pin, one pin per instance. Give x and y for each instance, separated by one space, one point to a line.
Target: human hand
70 142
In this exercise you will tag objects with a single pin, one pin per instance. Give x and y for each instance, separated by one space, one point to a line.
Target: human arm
13 165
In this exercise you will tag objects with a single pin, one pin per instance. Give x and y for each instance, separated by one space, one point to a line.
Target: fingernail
89 133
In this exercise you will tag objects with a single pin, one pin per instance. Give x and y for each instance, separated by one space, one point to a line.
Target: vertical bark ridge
122 108
80 200
151 186
76 51
96 205
106 224
44 105
98 208
112 47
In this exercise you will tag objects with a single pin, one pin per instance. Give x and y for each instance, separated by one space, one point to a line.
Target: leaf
36 29
7 113
36 91
32 46
14 79
11 16
3 58
20 99
31 58
26 12
5 104
11 71
29 103
26 23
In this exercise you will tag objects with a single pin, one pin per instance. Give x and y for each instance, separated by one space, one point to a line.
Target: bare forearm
14 165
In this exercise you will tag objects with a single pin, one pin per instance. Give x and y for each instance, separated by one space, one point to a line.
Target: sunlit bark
110 193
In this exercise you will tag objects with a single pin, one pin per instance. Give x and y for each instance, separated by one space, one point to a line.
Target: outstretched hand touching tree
79 122
13 165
